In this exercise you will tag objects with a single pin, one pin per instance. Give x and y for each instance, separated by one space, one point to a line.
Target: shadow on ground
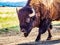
51 42
9 31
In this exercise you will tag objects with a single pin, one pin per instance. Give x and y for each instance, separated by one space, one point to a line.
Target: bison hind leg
49 33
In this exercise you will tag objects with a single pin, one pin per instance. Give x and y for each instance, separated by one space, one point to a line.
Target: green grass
7 29
7 12
8 20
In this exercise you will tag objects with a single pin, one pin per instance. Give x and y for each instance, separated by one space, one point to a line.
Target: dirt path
30 40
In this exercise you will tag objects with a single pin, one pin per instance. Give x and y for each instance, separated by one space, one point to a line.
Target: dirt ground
19 39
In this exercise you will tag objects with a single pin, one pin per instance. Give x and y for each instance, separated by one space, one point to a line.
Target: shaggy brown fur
44 15
54 8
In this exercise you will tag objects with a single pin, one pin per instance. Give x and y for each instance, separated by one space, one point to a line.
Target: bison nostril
22 30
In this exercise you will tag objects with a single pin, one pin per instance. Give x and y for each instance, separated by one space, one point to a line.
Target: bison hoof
49 38
37 40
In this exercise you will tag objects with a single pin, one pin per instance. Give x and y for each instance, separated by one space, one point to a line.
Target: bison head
26 17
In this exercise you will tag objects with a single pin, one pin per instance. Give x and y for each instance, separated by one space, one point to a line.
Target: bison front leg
49 33
38 37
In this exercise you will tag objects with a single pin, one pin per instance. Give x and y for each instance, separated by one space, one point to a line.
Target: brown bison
38 13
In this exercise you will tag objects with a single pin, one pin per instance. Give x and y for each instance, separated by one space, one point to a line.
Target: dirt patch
19 39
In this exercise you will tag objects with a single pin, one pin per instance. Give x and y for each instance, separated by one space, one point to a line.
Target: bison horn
33 14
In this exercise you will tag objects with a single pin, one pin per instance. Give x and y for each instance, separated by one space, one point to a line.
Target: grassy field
8 19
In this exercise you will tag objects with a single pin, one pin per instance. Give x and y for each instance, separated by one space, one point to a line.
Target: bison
38 14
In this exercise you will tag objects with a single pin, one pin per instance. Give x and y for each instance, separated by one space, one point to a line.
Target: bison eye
28 20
